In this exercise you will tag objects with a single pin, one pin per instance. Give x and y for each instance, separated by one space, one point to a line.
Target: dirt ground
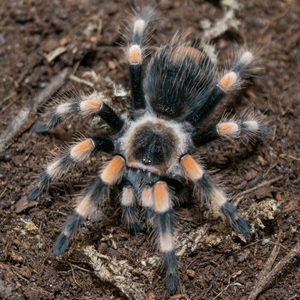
86 34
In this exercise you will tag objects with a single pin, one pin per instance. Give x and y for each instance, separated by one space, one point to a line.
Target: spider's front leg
196 173
164 226
77 153
88 203
90 106
248 127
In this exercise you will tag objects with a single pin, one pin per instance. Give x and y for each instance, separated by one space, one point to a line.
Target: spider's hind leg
196 173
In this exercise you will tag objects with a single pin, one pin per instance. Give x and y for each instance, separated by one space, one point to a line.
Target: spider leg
92 106
128 208
135 54
247 127
230 81
78 152
196 173
164 227
146 201
109 176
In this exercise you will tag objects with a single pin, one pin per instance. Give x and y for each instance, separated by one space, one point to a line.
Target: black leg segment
137 93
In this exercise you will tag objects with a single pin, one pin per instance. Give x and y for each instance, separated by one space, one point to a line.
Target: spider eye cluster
153 145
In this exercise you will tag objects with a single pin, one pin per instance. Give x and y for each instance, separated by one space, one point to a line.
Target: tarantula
154 154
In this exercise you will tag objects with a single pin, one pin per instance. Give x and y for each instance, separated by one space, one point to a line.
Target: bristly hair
179 79
146 14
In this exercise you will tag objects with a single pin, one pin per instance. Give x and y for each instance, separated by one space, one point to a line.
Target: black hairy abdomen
175 88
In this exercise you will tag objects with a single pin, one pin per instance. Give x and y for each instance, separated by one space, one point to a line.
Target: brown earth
88 30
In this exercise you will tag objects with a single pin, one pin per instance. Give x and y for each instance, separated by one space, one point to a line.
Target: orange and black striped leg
230 81
87 107
128 208
232 129
88 204
196 173
164 227
135 57
109 176
218 93
146 201
79 152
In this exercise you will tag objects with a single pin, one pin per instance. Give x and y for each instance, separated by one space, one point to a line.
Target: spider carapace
154 154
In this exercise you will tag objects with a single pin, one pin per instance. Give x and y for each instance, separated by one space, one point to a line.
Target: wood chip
23 204
55 53
277 196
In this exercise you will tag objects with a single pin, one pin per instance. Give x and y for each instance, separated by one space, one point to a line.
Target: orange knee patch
191 168
135 54
127 198
63 109
246 58
82 150
229 129
147 198
90 106
161 197
113 171
166 242
54 168
252 126
228 80
139 26
85 206
218 198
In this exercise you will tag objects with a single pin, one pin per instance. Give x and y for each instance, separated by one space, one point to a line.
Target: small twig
80 268
265 281
212 283
25 117
8 105
259 186
77 79
278 245
43 266
197 257
289 156
223 290
266 270
274 19
16 273
270 170
8 97
74 275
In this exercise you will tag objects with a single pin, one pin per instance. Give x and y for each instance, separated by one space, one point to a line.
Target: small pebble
191 273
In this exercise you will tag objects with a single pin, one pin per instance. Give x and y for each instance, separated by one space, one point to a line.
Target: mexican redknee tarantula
153 154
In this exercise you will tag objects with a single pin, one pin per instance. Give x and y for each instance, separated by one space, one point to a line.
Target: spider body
154 154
